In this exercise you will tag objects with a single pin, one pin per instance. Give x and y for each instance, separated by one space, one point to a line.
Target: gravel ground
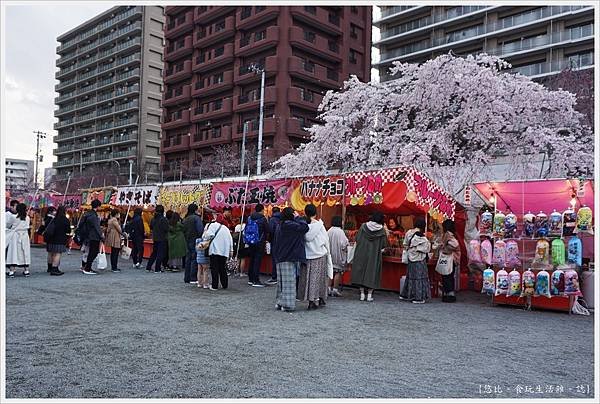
137 334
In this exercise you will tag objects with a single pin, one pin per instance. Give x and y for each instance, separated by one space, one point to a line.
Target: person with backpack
48 218
56 235
135 231
192 230
91 234
160 229
274 221
255 235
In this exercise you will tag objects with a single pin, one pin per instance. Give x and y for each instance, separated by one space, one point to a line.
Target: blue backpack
251 233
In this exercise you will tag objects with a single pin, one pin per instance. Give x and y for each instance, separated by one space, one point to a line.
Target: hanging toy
501 282
542 284
555 224
558 283
575 251
514 283
528 283
558 252
499 224
569 222
485 223
512 254
488 282
542 253
486 252
475 252
529 225
499 257
510 225
541 225
584 220
572 283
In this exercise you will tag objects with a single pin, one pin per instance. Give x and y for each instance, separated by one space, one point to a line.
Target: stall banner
107 196
317 190
178 197
41 200
137 196
364 188
231 194
71 202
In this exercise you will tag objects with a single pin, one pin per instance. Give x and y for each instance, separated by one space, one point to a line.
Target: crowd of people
307 260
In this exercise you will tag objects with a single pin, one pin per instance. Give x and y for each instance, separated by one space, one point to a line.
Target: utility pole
38 135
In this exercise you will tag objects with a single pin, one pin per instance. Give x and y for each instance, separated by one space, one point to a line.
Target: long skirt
313 280
416 286
286 285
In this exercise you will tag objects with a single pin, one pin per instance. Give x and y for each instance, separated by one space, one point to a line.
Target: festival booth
106 195
536 241
39 204
129 198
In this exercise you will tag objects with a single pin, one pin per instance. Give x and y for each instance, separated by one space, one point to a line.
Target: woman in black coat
56 236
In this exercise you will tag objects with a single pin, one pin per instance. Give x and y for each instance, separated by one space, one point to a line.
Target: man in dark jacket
192 230
160 229
257 250
135 230
273 223
93 236
47 220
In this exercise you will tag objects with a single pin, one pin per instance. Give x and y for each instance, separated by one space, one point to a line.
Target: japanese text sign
137 196
233 194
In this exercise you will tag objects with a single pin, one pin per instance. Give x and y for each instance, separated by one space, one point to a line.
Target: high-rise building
19 176
211 90
538 41
110 84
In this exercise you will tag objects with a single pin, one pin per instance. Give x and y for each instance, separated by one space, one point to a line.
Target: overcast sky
30 33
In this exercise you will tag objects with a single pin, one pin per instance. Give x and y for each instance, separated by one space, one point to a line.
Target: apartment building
19 175
212 92
539 41
110 89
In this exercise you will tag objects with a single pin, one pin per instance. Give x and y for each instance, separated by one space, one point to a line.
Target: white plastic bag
444 264
350 255
101 259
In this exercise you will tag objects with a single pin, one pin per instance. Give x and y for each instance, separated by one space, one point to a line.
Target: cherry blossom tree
450 117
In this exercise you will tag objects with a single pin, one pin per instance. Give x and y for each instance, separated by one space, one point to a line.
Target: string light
573 200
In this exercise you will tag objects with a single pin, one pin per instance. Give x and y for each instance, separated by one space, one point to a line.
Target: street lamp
130 170
260 69
119 172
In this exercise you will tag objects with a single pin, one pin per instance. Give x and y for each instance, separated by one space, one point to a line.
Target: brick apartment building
210 92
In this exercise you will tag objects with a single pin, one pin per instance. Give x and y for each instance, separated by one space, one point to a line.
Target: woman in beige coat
113 239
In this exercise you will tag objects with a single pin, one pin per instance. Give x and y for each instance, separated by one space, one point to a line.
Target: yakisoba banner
137 196
232 194
178 197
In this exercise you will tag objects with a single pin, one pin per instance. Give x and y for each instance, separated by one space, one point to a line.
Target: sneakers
335 293
369 298
272 282
56 272
211 288
204 286
250 283
258 284
90 272
193 282
26 274
10 274
137 266
362 297
116 270
402 298
418 301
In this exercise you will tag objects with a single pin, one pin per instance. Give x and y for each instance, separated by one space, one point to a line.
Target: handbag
101 259
350 254
232 265
404 258
125 252
444 264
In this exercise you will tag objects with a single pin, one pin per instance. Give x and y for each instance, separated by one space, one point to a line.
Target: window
310 9
334 19
309 36
259 36
308 65
352 57
218 78
259 9
245 40
219 51
333 46
217 105
216 132
353 31
354 9
246 12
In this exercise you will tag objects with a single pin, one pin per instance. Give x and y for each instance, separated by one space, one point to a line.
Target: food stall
542 228
129 198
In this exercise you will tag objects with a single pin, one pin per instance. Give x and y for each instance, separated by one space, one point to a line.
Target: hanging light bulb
573 200
492 199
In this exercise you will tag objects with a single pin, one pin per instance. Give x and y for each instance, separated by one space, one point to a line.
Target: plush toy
488 282
542 284
569 222
572 283
501 282
512 254
558 283
558 252
575 251
510 225
514 283
486 223
486 252
499 218
528 283
529 224
499 257
584 220
541 225
555 224
542 252
475 252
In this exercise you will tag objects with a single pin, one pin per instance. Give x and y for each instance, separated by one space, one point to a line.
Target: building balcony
304 99
177 120
214 32
318 17
258 15
180 25
176 51
214 58
242 74
175 144
314 73
248 46
252 101
208 13
63 150
211 111
294 128
175 73
269 129
212 137
205 86
315 44
172 10
174 97
65 70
